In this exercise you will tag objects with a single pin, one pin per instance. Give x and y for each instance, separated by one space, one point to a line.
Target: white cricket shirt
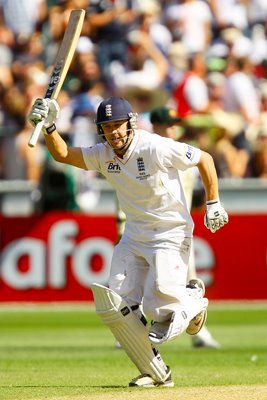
147 184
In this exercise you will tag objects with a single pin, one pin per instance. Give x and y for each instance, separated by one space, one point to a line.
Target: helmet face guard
114 109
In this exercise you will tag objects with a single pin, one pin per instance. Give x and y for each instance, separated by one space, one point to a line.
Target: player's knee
153 313
157 308
116 281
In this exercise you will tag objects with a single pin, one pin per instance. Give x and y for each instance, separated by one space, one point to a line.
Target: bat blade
62 63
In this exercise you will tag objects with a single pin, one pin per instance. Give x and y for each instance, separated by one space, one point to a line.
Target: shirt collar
130 149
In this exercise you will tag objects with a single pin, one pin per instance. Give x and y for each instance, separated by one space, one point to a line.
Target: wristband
213 204
50 129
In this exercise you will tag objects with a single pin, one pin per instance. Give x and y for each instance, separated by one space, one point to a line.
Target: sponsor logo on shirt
189 152
141 169
113 167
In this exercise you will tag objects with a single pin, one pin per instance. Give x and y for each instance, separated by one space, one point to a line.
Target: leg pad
129 331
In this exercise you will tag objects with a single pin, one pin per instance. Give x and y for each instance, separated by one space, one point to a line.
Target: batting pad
129 331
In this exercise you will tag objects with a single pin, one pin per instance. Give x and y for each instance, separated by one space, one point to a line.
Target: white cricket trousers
152 275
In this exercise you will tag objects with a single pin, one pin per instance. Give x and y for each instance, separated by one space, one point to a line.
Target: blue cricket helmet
114 109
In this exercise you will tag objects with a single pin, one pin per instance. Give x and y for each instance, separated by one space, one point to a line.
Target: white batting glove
215 216
44 109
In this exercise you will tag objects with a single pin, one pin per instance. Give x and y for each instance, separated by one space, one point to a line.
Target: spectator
190 22
215 82
257 12
178 64
146 66
259 159
87 77
23 17
191 94
148 21
229 13
109 24
240 94
263 96
53 32
7 41
18 161
259 49
230 151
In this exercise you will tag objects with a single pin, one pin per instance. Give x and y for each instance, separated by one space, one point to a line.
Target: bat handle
35 134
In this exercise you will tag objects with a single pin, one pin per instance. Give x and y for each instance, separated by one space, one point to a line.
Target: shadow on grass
63 386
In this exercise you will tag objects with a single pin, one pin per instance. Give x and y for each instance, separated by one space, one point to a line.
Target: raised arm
63 153
215 216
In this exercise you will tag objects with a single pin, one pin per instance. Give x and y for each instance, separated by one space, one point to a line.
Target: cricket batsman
150 263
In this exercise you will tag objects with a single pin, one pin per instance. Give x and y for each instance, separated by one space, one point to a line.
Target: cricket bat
62 63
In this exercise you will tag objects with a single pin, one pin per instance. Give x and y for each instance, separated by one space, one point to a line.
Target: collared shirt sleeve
172 154
91 156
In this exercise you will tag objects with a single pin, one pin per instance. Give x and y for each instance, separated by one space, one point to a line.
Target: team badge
141 169
108 110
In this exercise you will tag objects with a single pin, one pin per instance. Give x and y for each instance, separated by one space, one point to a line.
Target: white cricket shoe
196 289
145 380
204 339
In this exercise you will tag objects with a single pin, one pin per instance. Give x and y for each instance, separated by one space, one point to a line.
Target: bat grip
35 134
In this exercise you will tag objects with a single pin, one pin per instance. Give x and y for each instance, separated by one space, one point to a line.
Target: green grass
66 352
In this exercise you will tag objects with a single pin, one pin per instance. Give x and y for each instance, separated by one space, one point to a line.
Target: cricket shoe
145 380
204 339
196 289
210 343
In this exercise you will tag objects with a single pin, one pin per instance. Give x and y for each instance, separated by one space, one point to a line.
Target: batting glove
215 216
46 110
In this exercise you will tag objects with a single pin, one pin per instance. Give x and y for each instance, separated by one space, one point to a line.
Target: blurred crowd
205 59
